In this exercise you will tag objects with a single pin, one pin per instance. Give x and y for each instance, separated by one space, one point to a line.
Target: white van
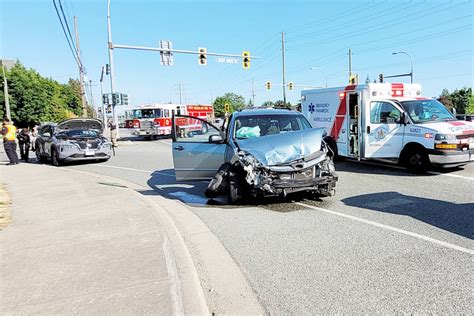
390 121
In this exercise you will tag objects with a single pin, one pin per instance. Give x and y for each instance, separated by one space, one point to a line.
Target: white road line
402 168
398 230
139 170
167 143
451 175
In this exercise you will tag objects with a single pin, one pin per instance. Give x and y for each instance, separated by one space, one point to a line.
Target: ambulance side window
383 113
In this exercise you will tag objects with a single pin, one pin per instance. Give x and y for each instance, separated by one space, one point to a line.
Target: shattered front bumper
324 184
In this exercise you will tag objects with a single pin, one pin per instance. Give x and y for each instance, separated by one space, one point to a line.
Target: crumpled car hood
81 124
282 148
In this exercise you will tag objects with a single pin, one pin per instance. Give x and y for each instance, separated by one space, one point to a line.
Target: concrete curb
197 249
191 292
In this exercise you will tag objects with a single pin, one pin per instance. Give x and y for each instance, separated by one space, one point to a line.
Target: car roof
266 111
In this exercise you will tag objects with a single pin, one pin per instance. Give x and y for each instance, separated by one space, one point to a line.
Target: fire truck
151 121
390 121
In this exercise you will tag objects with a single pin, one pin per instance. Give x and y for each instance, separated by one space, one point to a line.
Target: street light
325 77
411 62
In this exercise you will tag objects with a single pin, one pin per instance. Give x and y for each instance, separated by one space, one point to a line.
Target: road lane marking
387 227
451 175
139 170
165 142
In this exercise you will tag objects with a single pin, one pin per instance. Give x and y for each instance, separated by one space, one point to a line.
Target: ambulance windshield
429 110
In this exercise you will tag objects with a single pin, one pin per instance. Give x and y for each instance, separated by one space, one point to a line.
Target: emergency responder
9 141
24 143
113 132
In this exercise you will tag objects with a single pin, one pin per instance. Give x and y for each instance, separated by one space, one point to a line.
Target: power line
67 38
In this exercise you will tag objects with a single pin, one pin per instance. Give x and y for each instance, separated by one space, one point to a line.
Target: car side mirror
215 139
47 134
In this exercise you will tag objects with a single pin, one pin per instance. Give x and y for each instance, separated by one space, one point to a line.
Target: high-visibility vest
11 132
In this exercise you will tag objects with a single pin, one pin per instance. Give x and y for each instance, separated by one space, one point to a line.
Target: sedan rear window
263 125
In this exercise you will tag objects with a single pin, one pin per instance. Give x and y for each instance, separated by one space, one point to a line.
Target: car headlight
68 146
445 137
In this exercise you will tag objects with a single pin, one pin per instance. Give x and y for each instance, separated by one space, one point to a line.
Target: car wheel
55 158
417 161
235 189
38 154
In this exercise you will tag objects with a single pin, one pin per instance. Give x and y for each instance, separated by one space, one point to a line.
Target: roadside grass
5 215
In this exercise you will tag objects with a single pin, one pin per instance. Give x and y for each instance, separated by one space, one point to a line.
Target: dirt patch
5 215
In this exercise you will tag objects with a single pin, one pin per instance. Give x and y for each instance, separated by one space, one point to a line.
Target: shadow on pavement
385 168
455 218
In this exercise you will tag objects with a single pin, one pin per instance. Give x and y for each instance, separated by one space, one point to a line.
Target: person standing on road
24 143
113 132
33 135
9 141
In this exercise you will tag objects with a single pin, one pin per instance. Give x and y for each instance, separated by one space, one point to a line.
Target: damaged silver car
256 152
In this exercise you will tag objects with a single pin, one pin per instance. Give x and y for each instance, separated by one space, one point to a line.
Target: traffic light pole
283 65
111 63
178 51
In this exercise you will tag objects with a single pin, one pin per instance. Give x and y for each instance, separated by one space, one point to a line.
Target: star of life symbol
311 108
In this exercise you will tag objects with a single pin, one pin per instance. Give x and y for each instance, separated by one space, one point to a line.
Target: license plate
89 152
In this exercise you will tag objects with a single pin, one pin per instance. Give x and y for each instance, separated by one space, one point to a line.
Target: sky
438 35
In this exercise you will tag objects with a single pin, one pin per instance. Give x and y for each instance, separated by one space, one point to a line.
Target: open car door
198 148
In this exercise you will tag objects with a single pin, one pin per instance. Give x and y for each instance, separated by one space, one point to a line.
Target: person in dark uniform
9 141
24 142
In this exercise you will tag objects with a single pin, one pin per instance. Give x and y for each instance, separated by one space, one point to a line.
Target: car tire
417 161
55 161
38 154
234 194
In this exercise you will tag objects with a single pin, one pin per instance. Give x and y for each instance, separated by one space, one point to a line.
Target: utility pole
91 94
81 70
111 63
180 93
283 66
253 94
5 94
350 63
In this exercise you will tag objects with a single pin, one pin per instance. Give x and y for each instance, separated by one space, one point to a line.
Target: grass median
5 215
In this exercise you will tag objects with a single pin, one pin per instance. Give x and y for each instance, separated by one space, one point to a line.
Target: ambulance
389 121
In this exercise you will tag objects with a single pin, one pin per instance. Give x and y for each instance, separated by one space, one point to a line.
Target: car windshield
263 125
421 111
80 133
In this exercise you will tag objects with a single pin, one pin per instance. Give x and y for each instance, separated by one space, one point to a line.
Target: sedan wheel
55 158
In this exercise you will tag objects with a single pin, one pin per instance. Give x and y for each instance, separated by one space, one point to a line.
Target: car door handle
179 148
368 129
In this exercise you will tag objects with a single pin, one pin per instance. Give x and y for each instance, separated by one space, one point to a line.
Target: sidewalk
85 244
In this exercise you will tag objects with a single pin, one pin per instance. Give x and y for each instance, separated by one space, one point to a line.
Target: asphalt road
387 242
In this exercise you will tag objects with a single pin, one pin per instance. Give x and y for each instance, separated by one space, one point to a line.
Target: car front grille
92 144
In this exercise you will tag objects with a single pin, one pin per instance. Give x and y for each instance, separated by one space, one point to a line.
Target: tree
280 104
234 101
470 108
445 98
268 104
35 99
460 99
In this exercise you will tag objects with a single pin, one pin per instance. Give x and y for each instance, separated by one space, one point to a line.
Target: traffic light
107 69
105 99
290 86
246 59
115 98
268 85
381 78
227 107
202 56
109 109
353 79
124 99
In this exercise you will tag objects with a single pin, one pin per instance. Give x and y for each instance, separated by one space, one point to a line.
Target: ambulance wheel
417 160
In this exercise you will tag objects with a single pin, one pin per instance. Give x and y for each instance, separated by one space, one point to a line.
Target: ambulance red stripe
342 110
